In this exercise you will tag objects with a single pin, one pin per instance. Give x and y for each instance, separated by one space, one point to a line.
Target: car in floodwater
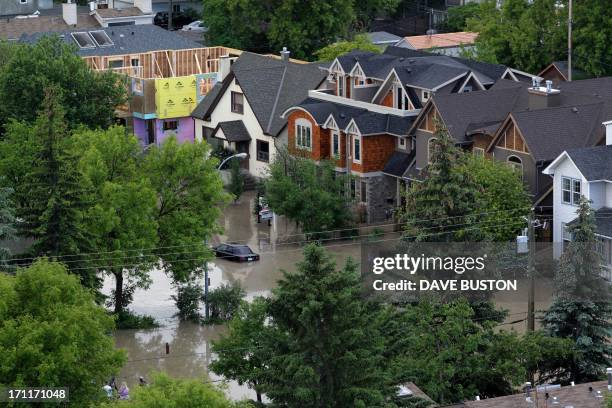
235 252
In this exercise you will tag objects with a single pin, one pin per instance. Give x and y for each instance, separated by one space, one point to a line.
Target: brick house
361 120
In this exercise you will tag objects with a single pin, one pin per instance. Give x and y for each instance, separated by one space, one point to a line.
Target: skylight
83 40
101 38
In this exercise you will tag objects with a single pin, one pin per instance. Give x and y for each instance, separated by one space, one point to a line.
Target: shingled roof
595 163
270 86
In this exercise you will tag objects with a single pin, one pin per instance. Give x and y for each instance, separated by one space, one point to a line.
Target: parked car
236 252
196 26
179 19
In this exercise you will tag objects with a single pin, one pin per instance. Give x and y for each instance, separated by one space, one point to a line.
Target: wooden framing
165 63
510 138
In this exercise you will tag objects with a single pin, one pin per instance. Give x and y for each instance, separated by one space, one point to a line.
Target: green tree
458 16
53 334
224 302
502 199
268 26
88 97
167 392
591 33
7 224
48 189
189 197
327 341
441 208
121 217
242 353
581 310
236 186
368 10
360 42
313 195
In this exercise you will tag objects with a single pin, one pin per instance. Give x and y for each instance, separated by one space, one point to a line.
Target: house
585 172
525 126
383 38
20 7
588 395
557 72
441 43
362 119
168 75
163 5
70 16
243 111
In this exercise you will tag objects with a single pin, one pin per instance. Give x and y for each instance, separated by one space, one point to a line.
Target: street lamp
237 155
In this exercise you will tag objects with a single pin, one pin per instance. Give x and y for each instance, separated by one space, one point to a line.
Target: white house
243 110
583 172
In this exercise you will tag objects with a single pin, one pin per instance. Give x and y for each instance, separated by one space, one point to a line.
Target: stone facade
381 191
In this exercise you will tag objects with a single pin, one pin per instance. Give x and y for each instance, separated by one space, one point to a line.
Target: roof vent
575 109
285 53
408 70
411 61
402 59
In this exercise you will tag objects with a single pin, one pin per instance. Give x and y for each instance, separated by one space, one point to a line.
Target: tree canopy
53 334
360 42
88 98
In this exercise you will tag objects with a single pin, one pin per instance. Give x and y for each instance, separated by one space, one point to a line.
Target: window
237 102
118 63
135 62
363 192
341 85
303 135
431 149
467 89
356 148
176 8
567 235
516 163
401 97
170 125
478 152
335 144
360 81
263 151
426 96
402 142
570 191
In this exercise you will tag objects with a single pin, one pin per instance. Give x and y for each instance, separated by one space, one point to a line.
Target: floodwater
189 343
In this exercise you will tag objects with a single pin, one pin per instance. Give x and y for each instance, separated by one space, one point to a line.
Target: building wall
422 140
320 137
531 173
381 196
184 132
597 194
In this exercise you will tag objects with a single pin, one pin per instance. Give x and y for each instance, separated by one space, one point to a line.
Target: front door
243 147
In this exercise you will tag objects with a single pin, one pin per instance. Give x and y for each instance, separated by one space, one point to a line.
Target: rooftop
15 27
443 40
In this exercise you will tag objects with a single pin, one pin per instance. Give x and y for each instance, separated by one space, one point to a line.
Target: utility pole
206 284
170 11
569 42
531 272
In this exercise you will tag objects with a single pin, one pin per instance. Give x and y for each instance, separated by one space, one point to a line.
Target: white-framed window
478 152
402 142
516 163
431 149
237 102
303 134
567 236
335 144
467 88
400 100
425 96
341 85
356 148
571 190
135 61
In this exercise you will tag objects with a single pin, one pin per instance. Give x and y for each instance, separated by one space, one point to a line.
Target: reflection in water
190 343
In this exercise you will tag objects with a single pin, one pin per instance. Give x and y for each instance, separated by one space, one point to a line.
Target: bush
129 320
187 300
224 302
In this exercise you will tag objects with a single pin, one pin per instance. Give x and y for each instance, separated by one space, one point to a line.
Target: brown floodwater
189 343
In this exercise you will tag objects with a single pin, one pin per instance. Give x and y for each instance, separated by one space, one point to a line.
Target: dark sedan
235 252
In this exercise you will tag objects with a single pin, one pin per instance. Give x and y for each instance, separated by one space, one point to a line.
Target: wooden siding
510 138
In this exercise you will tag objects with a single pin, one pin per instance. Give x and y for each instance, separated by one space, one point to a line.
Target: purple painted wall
184 132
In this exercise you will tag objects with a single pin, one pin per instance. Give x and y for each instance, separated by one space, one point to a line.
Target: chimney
225 66
542 97
608 126
144 6
69 13
609 373
285 54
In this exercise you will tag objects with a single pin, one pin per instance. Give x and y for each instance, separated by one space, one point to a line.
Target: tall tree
189 197
7 224
329 343
88 97
314 196
441 207
367 11
50 195
121 217
360 42
592 29
52 334
581 309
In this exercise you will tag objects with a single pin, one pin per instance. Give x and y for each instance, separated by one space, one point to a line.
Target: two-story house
524 126
585 173
361 121
243 110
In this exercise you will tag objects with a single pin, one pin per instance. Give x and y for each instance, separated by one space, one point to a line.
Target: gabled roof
562 68
270 86
233 131
442 40
132 39
399 162
595 163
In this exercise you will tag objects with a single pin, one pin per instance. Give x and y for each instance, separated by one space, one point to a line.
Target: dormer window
425 96
400 100
360 81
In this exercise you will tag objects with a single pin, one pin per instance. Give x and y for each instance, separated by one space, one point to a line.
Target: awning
232 131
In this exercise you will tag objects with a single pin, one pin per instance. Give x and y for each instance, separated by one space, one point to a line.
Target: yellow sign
175 97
